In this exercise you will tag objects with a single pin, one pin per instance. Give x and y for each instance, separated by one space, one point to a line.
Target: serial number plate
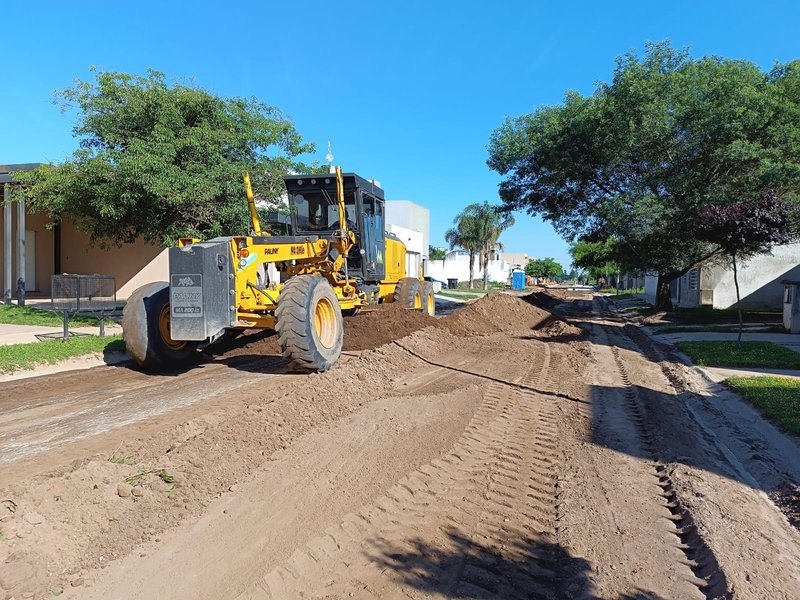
186 296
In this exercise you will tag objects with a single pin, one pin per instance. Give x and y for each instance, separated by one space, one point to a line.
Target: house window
694 279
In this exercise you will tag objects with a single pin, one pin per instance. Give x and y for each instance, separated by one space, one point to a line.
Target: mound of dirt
560 329
495 312
382 325
367 330
545 299
385 323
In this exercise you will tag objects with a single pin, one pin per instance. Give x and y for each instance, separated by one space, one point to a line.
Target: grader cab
337 259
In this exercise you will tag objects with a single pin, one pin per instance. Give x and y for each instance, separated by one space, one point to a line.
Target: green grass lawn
751 354
14 357
716 329
777 397
461 295
11 314
463 286
707 314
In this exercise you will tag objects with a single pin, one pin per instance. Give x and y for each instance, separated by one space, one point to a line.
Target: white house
456 266
415 247
412 224
712 283
517 260
410 216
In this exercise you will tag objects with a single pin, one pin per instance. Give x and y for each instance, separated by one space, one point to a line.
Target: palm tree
464 236
488 222
477 230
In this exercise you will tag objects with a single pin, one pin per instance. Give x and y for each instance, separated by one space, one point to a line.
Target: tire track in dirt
480 521
623 502
699 557
730 459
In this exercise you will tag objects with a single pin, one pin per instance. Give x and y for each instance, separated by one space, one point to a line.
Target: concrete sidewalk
23 334
718 374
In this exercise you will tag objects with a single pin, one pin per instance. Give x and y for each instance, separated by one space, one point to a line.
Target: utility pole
20 248
7 244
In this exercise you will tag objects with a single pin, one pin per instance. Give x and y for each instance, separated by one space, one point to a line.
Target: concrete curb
75 363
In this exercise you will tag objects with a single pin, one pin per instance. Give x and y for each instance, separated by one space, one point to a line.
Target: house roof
6 170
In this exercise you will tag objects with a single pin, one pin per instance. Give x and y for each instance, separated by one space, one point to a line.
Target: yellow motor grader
338 259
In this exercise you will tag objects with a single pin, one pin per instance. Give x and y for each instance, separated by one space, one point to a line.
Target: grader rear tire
309 323
409 293
428 299
146 329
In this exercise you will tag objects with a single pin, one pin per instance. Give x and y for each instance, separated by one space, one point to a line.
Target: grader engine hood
201 287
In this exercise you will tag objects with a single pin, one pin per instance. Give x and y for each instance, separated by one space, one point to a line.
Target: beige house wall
132 265
43 252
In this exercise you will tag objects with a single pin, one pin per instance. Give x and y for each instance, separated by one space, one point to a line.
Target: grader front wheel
409 293
309 323
428 299
146 329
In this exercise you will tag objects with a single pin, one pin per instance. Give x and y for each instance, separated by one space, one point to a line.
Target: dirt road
514 449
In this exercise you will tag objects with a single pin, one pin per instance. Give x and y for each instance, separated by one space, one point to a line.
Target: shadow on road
463 567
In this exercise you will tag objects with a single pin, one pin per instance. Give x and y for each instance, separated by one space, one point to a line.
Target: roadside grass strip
706 315
624 296
15 357
778 398
461 295
26 315
733 328
751 354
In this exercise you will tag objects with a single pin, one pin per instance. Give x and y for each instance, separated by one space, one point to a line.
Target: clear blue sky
408 92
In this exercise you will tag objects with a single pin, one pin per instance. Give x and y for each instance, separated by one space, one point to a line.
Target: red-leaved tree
745 228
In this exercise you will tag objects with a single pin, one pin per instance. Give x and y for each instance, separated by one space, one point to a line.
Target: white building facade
456 266
712 284
411 223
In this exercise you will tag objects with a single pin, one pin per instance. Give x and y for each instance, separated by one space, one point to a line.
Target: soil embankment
517 448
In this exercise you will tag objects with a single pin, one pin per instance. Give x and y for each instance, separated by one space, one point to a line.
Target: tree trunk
738 305
471 267
663 294
486 272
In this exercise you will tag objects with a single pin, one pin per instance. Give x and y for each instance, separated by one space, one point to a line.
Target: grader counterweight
337 259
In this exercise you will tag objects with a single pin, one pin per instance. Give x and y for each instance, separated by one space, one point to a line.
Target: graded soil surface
521 447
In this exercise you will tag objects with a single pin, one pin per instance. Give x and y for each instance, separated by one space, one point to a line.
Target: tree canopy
477 230
743 229
597 258
163 160
544 267
464 235
435 253
640 157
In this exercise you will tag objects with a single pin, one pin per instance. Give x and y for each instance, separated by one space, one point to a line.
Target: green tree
544 267
638 159
598 258
488 223
163 161
435 253
464 235
477 230
744 229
